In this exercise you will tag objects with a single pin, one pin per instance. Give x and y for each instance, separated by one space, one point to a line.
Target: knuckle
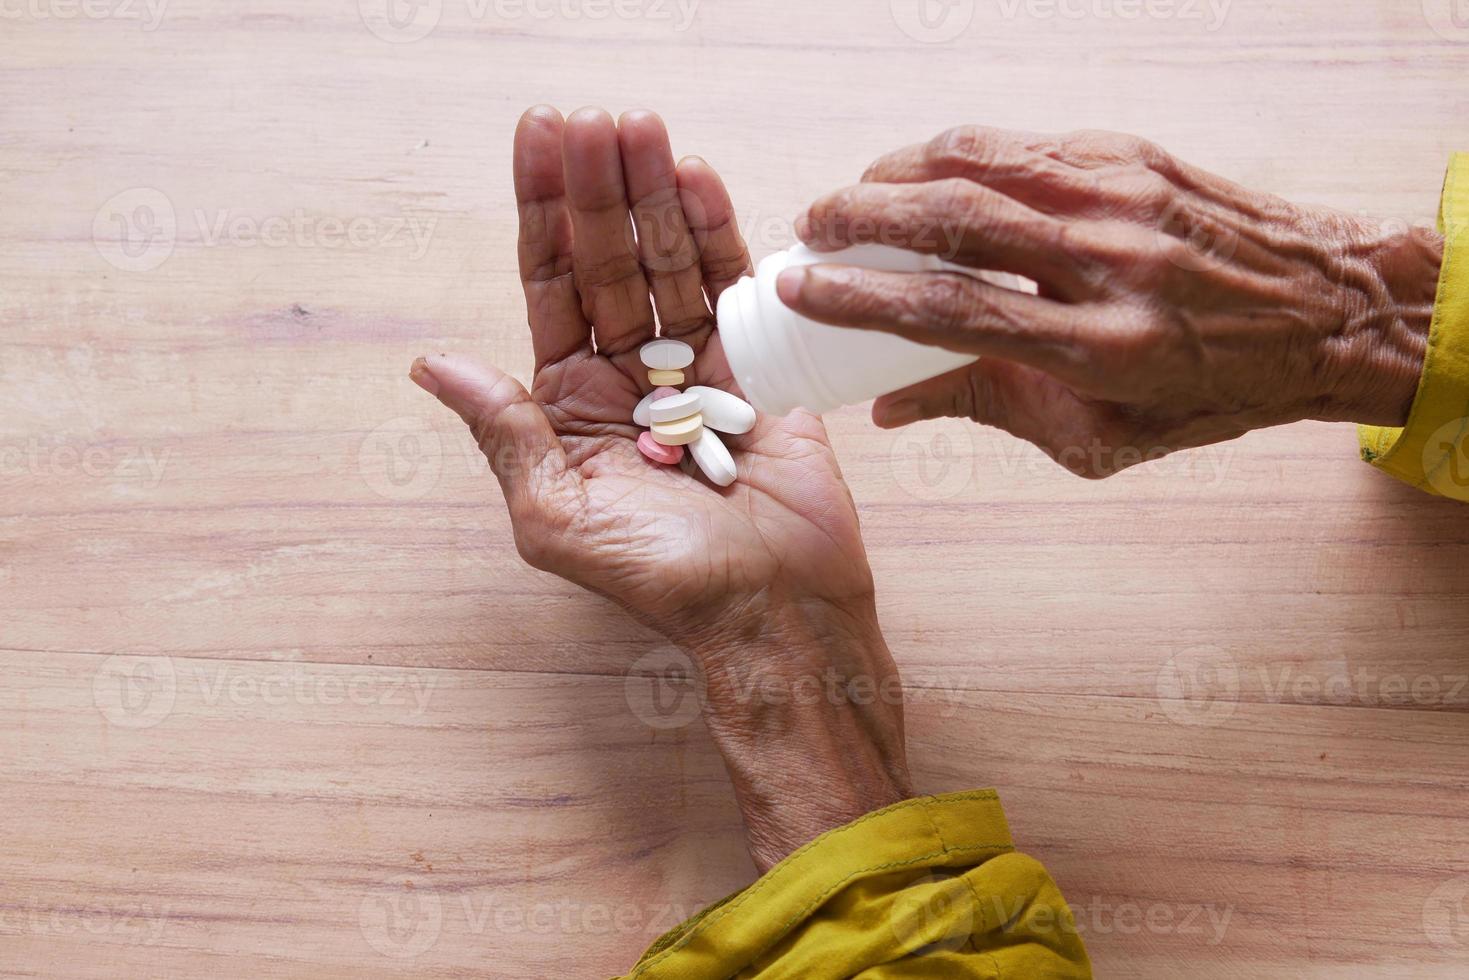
944 303
1147 194
611 271
961 147
954 198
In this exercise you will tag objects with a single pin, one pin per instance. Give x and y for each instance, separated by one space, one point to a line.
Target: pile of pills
678 419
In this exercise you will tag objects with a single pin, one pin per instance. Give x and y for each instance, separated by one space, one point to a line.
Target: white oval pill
641 414
713 458
723 411
666 354
674 407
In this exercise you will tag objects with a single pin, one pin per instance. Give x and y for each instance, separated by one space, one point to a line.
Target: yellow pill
679 433
671 379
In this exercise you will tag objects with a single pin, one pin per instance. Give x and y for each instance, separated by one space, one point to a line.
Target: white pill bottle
784 361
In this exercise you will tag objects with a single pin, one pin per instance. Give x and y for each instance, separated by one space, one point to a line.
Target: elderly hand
763 582
1173 309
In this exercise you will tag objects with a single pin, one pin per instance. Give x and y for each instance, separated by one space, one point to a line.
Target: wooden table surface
279 699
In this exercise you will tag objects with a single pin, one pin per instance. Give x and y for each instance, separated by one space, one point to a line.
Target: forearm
806 706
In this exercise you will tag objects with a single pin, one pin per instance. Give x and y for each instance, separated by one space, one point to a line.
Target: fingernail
423 377
803 227
897 413
788 285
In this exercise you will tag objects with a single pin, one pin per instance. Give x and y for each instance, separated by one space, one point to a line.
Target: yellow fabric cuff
928 887
1432 450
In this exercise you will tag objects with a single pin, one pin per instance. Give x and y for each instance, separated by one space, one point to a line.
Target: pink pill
658 453
664 393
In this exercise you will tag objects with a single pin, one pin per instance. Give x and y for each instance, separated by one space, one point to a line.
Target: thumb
510 428
1020 400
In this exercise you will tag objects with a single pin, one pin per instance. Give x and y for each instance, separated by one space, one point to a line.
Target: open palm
584 502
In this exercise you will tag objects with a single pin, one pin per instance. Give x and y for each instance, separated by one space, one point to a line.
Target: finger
723 256
515 435
1017 164
957 220
1024 402
608 274
944 309
553 306
665 244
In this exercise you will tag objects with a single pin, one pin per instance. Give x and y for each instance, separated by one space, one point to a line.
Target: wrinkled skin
762 582
1174 308
683 556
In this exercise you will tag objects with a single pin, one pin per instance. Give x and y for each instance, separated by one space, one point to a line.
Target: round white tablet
675 407
666 354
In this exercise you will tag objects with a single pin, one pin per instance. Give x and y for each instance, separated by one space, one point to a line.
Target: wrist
806 706
1386 329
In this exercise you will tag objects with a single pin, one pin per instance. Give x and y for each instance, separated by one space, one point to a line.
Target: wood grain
280 700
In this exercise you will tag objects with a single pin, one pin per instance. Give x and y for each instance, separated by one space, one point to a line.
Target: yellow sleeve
1432 451
928 887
